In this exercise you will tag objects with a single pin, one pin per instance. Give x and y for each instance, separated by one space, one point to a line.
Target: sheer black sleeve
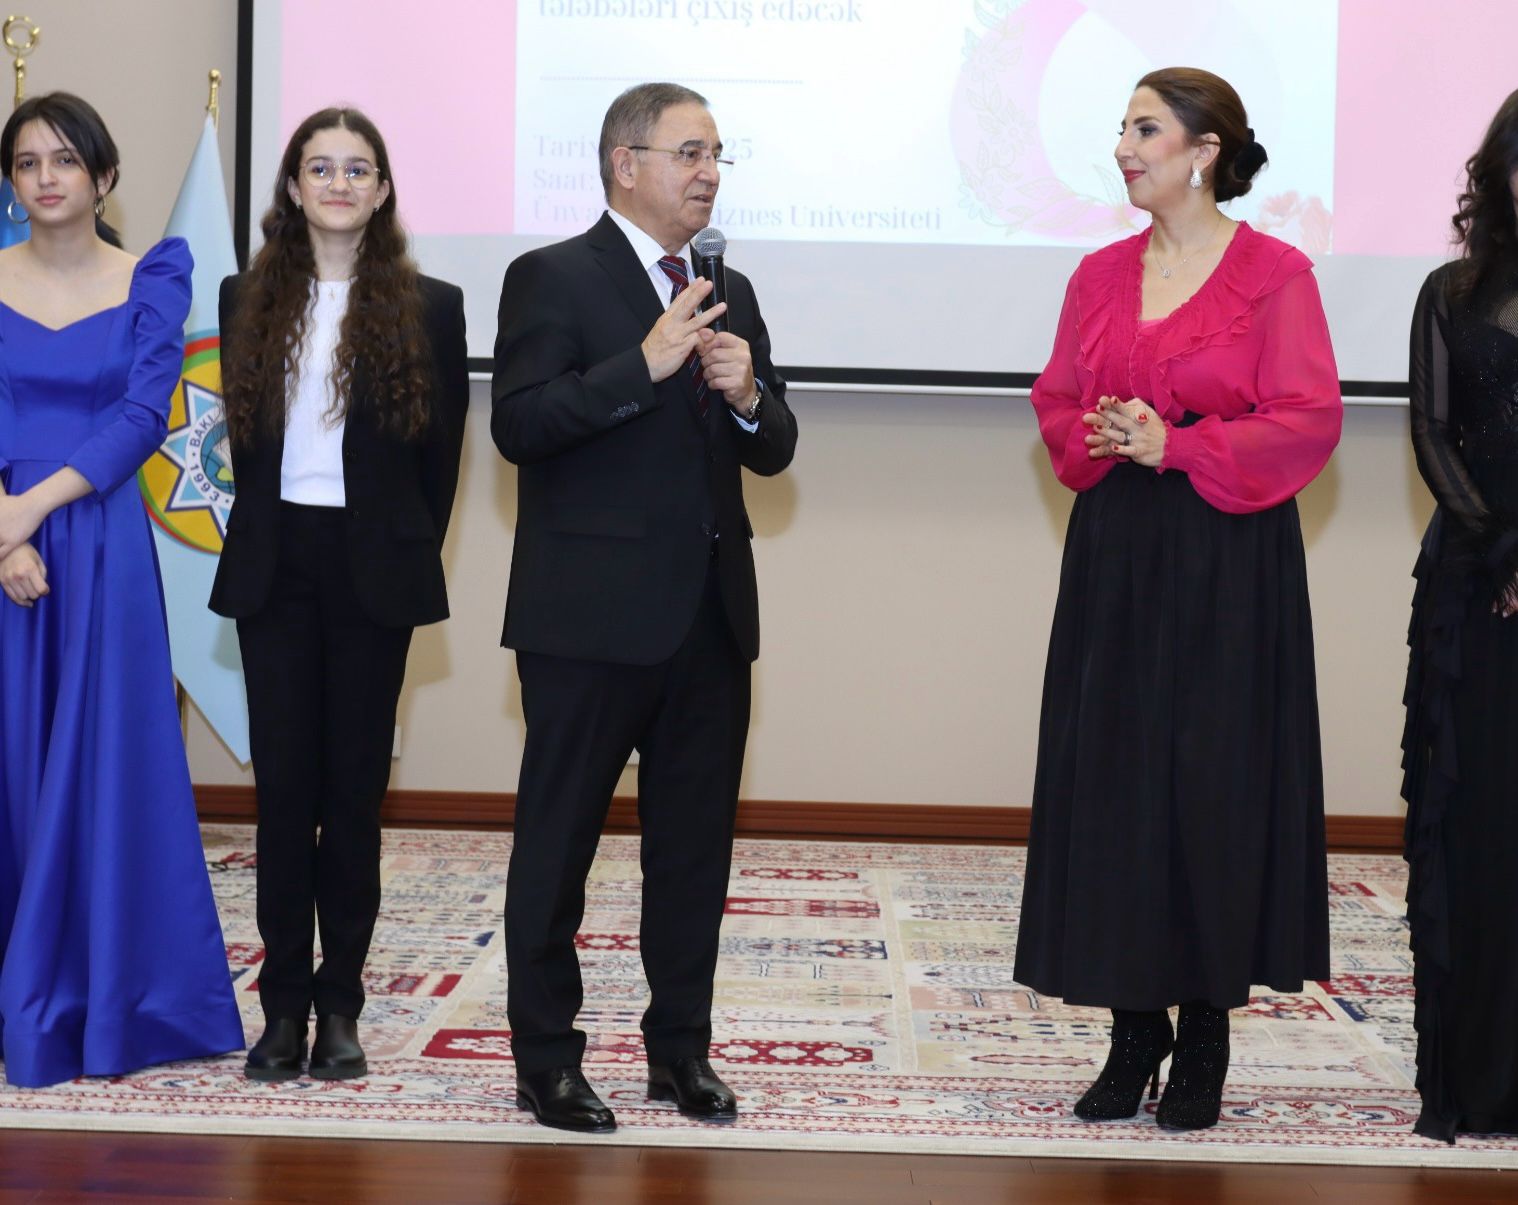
1437 435
1436 441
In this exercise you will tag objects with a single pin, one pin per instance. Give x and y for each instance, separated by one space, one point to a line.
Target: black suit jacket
399 492
621 486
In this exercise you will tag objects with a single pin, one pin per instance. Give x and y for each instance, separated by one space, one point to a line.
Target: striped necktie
674 267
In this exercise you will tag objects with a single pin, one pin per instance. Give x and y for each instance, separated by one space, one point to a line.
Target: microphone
707 250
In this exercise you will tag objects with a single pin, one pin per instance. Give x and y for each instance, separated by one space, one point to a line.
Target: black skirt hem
1444 1128
1140 1002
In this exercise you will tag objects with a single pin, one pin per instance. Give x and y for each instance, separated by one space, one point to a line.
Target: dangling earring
10 212
1196 176
100 207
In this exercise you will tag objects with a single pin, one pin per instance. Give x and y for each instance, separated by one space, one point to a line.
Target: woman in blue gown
111 954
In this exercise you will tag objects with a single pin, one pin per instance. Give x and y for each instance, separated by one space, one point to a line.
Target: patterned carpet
865 1001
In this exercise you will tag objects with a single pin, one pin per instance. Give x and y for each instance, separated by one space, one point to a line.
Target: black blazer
620 486
399 492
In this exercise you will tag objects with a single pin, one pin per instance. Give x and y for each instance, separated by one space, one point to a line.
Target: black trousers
688 719
323 681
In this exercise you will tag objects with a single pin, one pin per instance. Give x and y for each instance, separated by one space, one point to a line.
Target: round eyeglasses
359 173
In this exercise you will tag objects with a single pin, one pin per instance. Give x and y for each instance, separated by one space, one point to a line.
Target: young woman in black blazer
346 383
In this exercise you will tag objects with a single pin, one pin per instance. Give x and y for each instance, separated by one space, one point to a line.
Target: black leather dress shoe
336 1053
561 1098
279 1053
695 1087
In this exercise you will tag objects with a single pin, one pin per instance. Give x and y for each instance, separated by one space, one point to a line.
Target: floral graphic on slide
1008 182
1302 221
1007 179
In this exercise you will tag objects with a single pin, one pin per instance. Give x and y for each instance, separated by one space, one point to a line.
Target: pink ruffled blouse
1249 353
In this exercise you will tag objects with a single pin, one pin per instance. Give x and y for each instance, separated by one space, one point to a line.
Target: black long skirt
1177 848
1461 747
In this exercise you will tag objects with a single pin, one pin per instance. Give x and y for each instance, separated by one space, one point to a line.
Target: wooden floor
38 1167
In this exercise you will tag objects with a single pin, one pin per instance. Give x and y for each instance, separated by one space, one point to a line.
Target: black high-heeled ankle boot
1140 1042
1194 1092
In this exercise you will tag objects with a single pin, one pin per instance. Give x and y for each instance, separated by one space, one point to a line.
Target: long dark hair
75 121
1485 227
1207 104
382 326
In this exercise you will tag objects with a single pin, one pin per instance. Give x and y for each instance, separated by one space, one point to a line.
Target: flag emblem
188 484
187 487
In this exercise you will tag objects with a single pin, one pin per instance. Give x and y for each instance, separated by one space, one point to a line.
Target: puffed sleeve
1059 401
1263 457
159 302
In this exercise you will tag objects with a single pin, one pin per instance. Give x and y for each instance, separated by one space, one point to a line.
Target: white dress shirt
311 471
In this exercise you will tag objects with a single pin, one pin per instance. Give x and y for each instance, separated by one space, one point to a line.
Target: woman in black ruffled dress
1461 742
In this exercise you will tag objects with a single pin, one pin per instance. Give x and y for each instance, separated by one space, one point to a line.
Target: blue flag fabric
11 231
187 485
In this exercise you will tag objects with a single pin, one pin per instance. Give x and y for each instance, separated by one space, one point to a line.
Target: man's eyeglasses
690 156
360 174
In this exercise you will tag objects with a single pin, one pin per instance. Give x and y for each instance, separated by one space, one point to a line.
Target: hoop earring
1196 176
10 212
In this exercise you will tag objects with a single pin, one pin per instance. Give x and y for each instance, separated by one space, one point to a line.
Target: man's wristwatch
751 415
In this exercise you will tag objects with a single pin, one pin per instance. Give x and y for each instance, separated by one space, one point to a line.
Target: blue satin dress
111 953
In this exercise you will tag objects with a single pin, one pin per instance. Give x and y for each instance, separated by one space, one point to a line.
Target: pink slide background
423 79
1415 96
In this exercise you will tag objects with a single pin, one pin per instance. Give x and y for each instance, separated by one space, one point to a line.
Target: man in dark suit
632 608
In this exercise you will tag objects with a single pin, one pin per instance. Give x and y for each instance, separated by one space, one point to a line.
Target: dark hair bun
1241 170
1250 159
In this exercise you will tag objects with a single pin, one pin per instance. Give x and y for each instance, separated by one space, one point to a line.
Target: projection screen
913 182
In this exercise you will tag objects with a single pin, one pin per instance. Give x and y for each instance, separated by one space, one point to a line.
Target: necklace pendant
1165 273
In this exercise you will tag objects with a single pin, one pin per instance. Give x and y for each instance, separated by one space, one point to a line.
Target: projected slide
979 126
883 146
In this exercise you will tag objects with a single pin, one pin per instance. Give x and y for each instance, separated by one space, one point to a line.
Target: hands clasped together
1132 430
23 576
726 361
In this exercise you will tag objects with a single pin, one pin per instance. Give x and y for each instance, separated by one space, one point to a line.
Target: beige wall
907 563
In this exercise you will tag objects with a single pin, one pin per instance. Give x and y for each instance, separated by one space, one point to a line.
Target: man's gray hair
633 114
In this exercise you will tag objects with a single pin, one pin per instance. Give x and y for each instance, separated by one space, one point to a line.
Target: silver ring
1127 438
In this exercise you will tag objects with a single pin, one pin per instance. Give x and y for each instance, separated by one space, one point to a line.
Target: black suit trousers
688 719
323 681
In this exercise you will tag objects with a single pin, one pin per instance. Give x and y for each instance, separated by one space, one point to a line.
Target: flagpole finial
213 106
19 49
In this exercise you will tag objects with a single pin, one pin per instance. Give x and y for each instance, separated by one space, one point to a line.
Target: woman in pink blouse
1176 853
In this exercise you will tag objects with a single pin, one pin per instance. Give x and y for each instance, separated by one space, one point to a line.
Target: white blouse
311 472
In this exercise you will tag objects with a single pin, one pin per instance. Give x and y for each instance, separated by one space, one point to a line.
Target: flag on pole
12 231
14 224
187 484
